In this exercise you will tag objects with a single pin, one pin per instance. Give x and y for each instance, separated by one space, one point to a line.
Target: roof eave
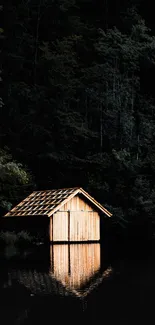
97 204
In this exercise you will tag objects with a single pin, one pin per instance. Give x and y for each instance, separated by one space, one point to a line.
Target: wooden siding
74 265
75 221
84 226
76 204
51 229
75 226
60 226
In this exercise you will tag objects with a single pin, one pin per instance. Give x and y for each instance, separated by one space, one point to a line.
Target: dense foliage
79 101
15 181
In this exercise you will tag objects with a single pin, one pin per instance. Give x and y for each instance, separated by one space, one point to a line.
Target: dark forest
78 105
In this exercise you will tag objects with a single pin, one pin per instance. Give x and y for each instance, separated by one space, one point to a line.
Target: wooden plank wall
76 204
84 226
75 221
60 226
74 265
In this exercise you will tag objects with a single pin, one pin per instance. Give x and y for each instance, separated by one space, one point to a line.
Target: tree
79 102
1 37
15 181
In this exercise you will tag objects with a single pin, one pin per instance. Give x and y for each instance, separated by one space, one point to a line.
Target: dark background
79 104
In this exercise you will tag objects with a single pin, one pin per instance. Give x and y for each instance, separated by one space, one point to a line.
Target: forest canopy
79 103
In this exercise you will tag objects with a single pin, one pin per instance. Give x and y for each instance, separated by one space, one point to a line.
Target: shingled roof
48 202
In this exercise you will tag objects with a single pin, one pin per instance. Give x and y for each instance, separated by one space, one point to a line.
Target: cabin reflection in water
75 265
74 270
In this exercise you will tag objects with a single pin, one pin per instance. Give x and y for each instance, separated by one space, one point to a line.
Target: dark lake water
75 283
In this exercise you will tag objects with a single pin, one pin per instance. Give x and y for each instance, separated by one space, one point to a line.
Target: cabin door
84 226
75 226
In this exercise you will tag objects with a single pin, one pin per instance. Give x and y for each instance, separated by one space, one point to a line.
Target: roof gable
48 202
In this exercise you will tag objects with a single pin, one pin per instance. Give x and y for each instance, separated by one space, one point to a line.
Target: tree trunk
36 42
137 147
101 128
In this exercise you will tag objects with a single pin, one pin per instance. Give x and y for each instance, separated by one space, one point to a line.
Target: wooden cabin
63 215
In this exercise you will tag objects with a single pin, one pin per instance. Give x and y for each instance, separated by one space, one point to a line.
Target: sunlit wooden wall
75 221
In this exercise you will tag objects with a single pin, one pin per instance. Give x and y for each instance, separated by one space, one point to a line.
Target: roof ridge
59 189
